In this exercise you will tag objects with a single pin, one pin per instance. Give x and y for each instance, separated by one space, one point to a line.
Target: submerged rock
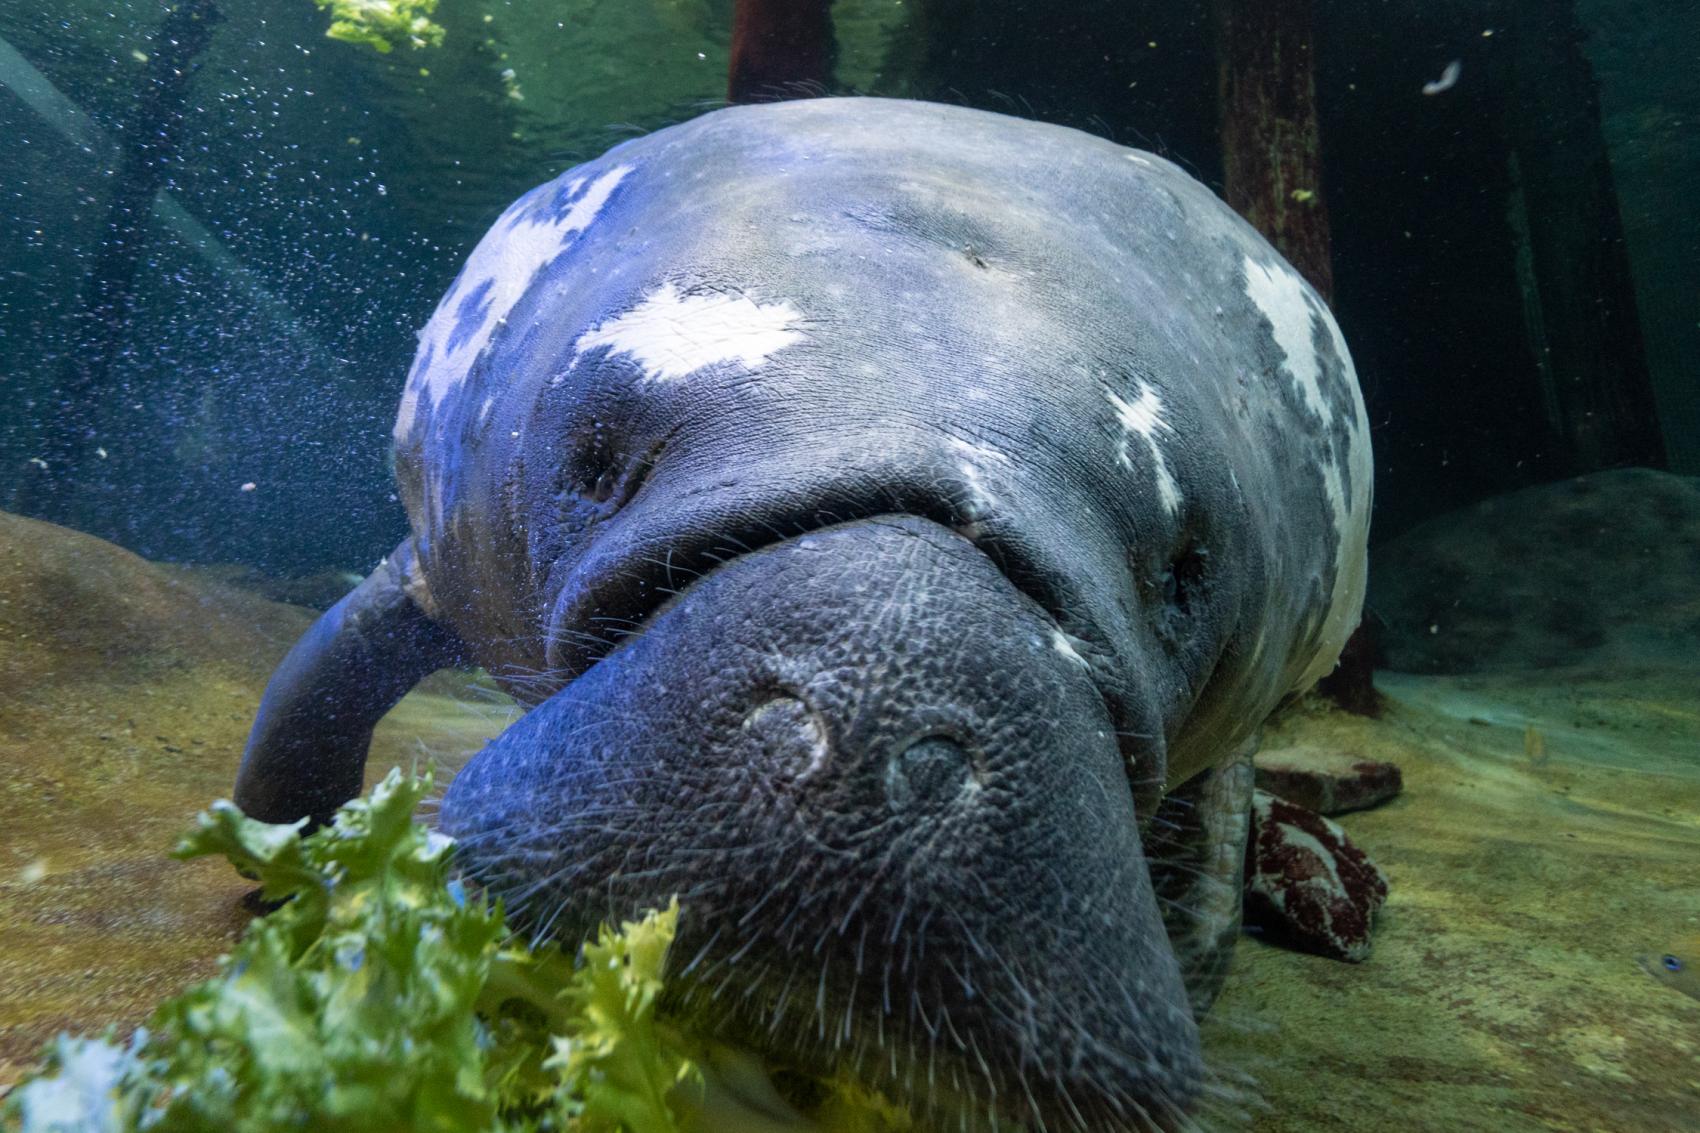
1602 569
1327 782
1307 885
318 591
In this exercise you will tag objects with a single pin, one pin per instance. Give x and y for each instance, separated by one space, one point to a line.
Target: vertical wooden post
1272 176
1271 152
776 45
1595 361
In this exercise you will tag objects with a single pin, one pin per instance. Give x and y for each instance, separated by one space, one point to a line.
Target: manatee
896 520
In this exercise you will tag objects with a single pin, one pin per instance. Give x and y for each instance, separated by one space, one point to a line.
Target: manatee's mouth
609 600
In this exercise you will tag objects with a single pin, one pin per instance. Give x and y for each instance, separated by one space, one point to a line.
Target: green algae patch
383 24
382 995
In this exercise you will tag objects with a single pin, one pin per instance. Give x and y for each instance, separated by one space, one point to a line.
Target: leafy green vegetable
384 24
379 997
617 1071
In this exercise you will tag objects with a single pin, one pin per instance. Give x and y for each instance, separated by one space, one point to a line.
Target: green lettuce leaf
380 995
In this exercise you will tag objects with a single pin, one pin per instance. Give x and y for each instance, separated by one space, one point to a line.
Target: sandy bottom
97 924
126 691
1503 992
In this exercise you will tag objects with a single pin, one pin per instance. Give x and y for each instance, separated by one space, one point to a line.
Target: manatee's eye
1672 963
603 490
1183 581
604 476
1175 591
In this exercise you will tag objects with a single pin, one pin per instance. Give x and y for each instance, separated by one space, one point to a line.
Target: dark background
343 188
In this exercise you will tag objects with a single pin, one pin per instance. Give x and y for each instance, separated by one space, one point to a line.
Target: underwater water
234 249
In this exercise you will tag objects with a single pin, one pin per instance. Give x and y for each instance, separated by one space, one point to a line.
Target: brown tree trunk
779 48
1271 154
1272 176
1595 364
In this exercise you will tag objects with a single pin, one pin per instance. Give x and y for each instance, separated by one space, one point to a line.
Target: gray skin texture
898 520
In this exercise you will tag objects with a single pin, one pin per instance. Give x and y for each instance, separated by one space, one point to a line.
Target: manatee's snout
891 802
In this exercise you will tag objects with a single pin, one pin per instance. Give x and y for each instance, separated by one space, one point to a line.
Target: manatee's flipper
306 754
1197 853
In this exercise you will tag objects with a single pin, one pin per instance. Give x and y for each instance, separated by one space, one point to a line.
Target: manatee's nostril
926 775
791 735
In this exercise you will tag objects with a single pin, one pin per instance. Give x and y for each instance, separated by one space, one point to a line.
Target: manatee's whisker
542 932
742 546
567 633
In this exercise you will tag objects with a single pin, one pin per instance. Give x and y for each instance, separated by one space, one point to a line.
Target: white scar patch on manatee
502 265
975 458
1145 417
1350 577
673 335
1281 296
1061 643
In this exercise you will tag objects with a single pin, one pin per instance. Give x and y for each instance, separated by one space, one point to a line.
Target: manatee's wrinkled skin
882 506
